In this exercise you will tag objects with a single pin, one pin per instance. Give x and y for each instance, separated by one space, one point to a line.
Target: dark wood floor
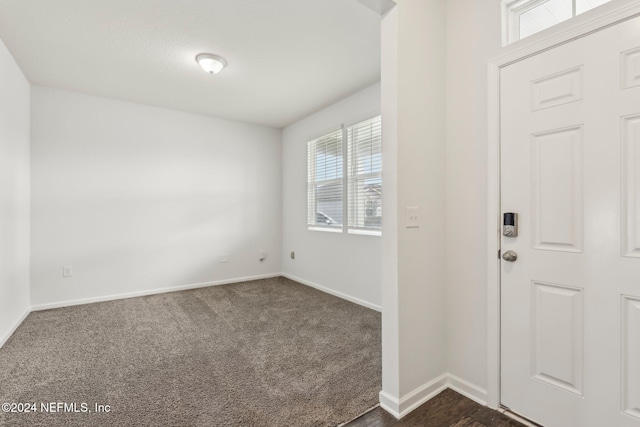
448 409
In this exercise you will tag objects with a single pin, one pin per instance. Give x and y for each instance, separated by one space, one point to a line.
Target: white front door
570 169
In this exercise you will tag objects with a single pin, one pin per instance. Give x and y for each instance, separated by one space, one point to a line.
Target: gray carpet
264 353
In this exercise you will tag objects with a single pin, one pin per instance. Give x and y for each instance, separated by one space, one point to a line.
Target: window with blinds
364 142
325 164
344 179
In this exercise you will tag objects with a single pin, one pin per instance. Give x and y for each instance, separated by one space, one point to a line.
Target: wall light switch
412 217
224 258
67 271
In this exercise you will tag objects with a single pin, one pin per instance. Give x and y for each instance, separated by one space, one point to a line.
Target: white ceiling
286 58
380 6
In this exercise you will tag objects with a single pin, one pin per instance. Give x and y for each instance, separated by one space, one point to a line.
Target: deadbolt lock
510 224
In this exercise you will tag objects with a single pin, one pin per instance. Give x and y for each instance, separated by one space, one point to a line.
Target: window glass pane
366 208
544 15
324 180
365 174
584 5
329 204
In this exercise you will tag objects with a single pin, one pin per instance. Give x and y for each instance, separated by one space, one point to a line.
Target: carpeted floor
264 353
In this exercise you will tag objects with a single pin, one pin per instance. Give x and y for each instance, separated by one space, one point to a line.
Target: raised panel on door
630 68
557 335
630 374
630 133
557 89
556 158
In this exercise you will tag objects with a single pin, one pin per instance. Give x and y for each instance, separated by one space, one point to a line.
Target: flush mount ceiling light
211 63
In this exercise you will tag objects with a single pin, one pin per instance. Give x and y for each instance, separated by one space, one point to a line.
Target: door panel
631 353
557 89
570 168
557 336
557 189
631 185
630 68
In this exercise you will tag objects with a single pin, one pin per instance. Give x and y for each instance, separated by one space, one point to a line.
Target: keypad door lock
510 224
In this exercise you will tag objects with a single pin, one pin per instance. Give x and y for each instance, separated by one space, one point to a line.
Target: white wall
413 108
390 213
343 264
137 198
14 194
473 37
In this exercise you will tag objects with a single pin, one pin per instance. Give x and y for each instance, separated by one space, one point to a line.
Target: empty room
310 213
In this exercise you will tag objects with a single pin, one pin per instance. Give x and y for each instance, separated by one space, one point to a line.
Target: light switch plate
412 217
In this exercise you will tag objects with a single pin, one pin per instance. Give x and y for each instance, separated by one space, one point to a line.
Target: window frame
312 185
352 179
511 11
344 228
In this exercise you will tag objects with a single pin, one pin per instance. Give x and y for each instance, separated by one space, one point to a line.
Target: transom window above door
523 18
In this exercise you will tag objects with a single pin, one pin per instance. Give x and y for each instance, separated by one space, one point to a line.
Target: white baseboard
389 403
410 401
334 293
69 303
13 328
467 389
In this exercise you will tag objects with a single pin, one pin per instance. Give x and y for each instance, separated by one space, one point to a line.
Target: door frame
608 15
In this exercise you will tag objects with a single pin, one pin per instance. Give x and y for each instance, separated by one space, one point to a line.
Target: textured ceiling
286 58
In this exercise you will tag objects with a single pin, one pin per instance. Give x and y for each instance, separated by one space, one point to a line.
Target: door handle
510 256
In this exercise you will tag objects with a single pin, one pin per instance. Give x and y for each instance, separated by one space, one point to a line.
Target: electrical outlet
224 258
67 271
412 217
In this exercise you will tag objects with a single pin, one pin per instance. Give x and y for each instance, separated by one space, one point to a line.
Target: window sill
325 229
365 232
357 231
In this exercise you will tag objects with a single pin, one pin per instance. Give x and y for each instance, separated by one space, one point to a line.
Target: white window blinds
325 181
364 142
344 179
